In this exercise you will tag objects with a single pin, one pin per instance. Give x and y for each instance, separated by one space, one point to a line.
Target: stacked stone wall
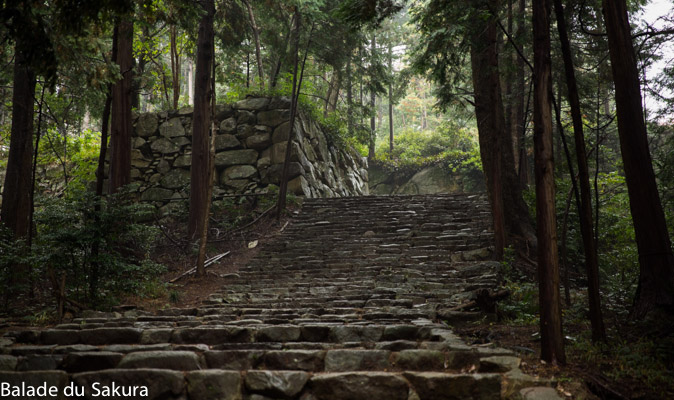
250 150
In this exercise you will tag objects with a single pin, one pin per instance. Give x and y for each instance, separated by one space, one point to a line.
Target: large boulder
240 172
176 179
252 103
431 180
273 118
228 125
147 124
226 141
164 146
236 157
172 128
258 141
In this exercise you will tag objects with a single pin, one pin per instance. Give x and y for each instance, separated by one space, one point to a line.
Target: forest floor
635 362
240 244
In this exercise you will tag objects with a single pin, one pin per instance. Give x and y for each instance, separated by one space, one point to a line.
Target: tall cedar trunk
328 93
373 98
283 189
519 117
203 241
656 263
585 211
175 65
277 69
390 96
16 196
121 125
256 37
552 340
336 84
140 71
349 97
505 194
17 188
199 175
510 96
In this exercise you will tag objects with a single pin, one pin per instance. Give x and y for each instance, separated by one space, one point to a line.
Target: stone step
349 302
154 384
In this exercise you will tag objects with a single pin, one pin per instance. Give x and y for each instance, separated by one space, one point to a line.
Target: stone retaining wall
434 179
250 150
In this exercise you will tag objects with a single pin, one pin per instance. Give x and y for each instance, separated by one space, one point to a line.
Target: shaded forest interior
561 110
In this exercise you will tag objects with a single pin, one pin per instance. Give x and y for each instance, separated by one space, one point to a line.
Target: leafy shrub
103 254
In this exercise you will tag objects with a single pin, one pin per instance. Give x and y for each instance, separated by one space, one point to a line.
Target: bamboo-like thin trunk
256 37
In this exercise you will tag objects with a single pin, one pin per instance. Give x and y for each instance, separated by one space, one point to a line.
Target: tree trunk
656 272
190 82
585 209
505 194
17 189
175 66
390 94
120 135
199 175
335 84
519 112
283 189
552 340
509 89
373 98
349 97
140 73
256 37
275 73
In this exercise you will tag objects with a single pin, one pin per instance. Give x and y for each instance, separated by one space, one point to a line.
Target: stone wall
250 150
435 179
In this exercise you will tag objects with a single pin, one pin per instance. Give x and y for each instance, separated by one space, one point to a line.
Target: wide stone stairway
352 301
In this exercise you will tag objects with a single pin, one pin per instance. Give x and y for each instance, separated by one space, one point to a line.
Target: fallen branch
207 264
161 227
265 212
602 389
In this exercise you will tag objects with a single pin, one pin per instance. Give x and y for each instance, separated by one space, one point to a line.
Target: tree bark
510 96
373 98
656 263
199 174
519 112
175 65
256 37
552 340
17 187
390 97
335 88
585 207
509 211
121 125
283 189
349 97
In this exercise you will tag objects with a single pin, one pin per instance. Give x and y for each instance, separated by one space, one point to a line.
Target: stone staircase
351 302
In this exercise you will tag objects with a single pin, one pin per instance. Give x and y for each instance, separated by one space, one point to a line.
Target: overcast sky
652 14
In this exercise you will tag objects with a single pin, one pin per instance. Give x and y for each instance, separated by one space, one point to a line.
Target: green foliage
103 254
642 360
450 146
521 306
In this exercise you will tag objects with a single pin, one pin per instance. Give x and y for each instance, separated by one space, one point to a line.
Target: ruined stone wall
250 150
